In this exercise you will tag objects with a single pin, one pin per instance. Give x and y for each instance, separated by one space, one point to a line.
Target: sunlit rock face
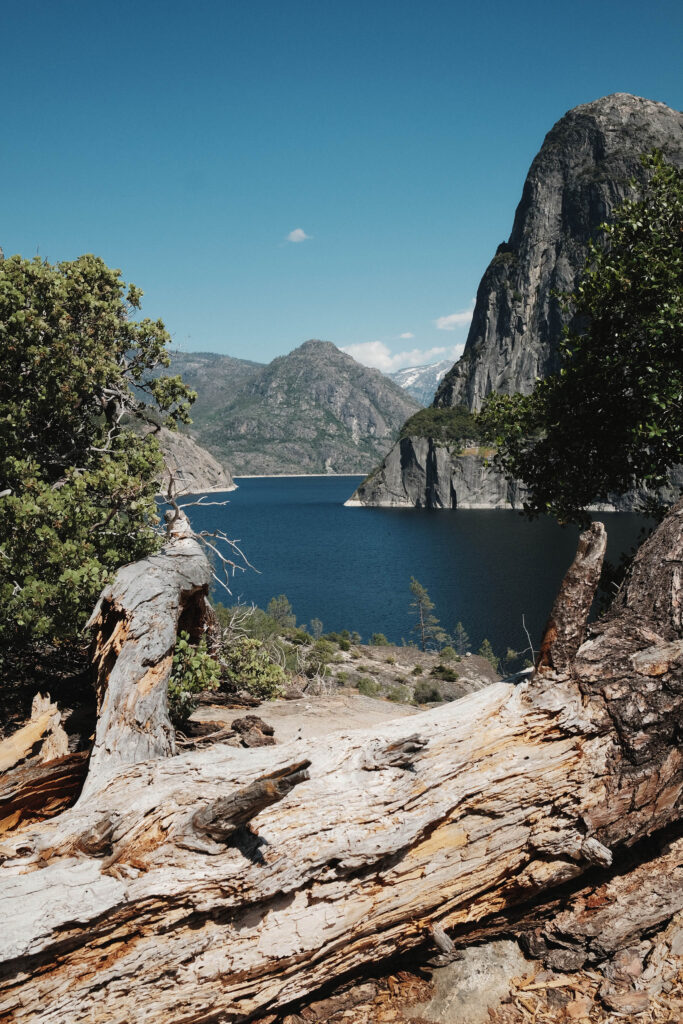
580 175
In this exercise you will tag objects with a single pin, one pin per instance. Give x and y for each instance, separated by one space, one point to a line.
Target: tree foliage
612 418
429 632
77 490
194 670
446 426
486 651
461 640
247 666
280 609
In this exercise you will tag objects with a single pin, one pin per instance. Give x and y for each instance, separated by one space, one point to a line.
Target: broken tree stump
135 624
199 887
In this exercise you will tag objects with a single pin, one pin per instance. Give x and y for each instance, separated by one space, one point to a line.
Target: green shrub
368 687
448 675
344 644
299 637
379 640
193 671
426 693
342 677
399 694
248 667
390 660
319 657
244 620
417 671
448 653
486 651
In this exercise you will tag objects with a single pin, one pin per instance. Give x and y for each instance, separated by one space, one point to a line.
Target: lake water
351 567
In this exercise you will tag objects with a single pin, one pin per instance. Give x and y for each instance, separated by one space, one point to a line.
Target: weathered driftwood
222 883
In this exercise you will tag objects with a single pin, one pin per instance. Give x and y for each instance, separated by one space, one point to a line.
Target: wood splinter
220 818
399 754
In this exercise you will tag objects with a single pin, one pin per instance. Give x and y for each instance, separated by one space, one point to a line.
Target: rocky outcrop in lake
419 473
579 176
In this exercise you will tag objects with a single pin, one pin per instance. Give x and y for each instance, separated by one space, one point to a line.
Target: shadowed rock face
580 175
418 473
193 468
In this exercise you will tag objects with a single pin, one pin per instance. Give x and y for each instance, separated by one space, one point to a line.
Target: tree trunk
223 883
135 624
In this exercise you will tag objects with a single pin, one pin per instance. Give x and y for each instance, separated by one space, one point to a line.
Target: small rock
557 998
464 991
565 959
625 965
252 722
293 690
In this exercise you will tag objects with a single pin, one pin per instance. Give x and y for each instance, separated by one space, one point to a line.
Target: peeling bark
224 883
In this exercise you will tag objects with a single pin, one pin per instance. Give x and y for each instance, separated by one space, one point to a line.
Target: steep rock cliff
581 173
193 468
418 473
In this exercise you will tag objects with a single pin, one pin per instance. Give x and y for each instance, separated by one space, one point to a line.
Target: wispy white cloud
379 355
298 235
407 335
455 320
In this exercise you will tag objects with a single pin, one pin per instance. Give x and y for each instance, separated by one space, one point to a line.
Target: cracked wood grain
175 891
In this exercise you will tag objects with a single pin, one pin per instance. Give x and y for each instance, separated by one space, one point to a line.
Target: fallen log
221 884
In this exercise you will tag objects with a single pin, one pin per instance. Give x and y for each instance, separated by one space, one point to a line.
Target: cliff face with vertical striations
581 173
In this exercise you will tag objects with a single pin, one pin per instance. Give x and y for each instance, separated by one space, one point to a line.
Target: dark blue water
351 567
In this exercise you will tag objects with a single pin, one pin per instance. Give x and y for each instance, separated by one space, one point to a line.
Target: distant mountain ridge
217 379
315 410
421 381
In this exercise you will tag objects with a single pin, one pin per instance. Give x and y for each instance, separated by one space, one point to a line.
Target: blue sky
184 143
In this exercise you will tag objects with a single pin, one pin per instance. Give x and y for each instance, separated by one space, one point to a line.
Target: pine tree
427 627
486 651
461 640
